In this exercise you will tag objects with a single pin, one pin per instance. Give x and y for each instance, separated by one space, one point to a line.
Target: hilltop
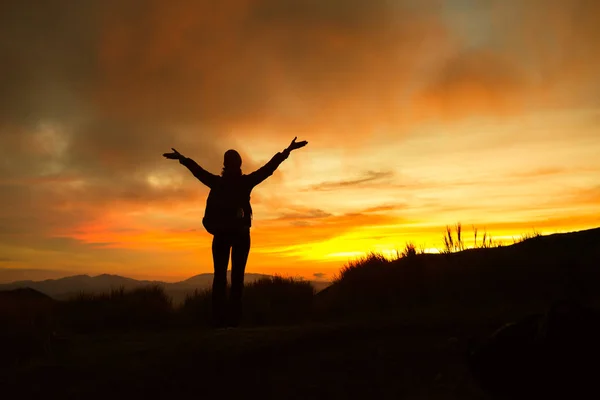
518 278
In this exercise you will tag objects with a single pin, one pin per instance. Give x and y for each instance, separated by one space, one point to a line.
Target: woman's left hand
175 155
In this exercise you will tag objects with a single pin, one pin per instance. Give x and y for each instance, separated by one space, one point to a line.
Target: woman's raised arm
203 175
267 170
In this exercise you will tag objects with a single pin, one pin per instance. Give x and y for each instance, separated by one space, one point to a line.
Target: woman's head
232 163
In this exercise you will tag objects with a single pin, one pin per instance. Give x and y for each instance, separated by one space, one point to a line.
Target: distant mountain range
66 287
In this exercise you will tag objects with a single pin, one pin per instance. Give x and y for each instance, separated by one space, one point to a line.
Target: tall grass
453 239
196 308
527 236
357 266
146 307
274 300
410 250
278 300
27 325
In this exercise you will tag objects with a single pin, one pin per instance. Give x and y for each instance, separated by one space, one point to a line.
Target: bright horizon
418 114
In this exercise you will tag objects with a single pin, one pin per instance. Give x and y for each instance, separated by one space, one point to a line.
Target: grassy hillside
385 328
519 278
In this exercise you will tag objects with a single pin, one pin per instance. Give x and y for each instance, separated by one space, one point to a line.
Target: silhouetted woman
228 217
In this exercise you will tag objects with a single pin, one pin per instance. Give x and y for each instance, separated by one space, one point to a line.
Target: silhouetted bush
27 325
141 308
268 301
196 308
362 267
374 283
278 300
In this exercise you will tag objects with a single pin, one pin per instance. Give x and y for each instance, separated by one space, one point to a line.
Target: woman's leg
239 257
220 250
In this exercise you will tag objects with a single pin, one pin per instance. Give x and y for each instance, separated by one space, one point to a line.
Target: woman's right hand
296 145
175 155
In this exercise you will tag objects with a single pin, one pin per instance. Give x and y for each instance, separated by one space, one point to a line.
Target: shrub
27 325
196 308
278 300
146 307
268 301
357 269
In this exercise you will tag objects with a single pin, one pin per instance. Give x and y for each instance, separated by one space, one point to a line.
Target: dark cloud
475 81
300 223
49 51
556 39
520 56
320 275
384 207
205 63
306 214
369 177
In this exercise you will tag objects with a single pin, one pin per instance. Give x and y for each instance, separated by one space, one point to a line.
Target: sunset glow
418 114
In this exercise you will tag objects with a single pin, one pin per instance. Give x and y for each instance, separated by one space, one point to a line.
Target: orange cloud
475 82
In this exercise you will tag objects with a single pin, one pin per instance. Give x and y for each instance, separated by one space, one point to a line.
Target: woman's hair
232 164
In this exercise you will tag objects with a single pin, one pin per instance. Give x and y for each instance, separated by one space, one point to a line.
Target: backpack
227 207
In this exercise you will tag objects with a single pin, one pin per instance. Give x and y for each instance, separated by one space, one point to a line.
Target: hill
63 288
22 295
518 278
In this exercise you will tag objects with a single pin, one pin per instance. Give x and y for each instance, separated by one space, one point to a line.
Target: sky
418 114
